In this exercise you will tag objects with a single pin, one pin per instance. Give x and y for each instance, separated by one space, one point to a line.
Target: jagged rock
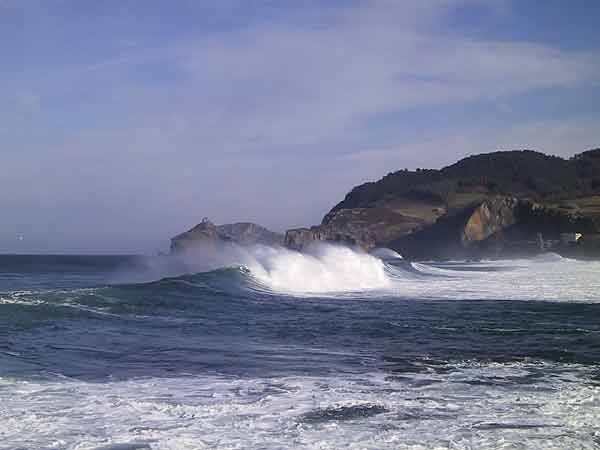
363 227
211 237
247 233
205 234
490 217
300 238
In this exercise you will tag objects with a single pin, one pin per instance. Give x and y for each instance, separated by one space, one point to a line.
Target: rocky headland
515 203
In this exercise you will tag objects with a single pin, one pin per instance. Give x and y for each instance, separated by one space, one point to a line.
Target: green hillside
524 174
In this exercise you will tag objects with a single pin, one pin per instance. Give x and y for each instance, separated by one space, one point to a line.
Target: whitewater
267 348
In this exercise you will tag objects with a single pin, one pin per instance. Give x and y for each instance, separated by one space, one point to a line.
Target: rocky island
210 236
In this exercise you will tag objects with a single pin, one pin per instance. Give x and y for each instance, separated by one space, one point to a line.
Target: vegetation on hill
521 173
503 203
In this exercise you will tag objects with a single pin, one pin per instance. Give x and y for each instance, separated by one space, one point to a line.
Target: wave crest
325 268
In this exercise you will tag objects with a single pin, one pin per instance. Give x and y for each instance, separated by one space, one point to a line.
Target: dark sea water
274 350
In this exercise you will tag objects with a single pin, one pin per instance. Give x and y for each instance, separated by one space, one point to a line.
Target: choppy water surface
270 349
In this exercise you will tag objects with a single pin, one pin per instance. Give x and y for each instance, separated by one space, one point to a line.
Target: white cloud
300 85
267 123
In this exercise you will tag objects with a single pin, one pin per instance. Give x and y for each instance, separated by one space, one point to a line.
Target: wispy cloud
296 85
271 120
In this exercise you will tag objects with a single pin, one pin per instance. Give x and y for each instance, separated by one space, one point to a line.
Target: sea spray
321 268
324 268
336 270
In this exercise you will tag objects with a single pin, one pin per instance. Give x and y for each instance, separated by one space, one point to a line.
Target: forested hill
524 174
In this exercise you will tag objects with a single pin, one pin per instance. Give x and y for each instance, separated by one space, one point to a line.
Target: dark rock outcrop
498 226
462 233
208 236
300 238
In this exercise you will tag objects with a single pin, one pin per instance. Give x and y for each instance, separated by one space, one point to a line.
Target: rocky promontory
497 204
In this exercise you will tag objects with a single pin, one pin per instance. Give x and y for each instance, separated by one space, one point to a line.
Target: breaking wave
266 348
334 270
329 270
325 269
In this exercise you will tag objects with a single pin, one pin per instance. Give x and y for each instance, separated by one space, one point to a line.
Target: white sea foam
334 270
331 269
485 406
546 278
326 268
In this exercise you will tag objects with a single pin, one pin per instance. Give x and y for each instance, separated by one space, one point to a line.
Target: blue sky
123 123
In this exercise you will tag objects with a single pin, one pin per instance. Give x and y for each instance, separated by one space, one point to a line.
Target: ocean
266 348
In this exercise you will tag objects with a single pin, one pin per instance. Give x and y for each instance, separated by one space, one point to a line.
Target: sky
123 123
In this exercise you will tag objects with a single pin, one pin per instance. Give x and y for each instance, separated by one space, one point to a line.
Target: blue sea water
272 349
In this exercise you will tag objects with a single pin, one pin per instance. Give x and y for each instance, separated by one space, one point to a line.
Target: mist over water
269 348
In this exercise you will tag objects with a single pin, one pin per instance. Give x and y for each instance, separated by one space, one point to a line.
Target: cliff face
300 238
204 234
380 227
460 232
246 233
362 227
208 236
489 218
